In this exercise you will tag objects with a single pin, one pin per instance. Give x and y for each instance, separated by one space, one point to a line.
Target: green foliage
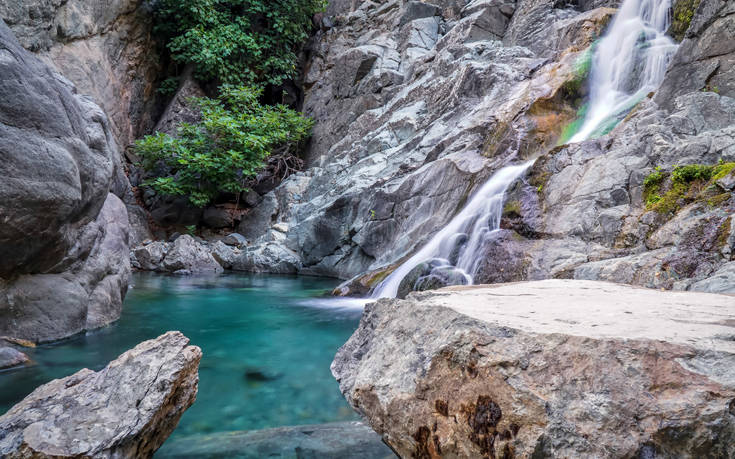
251 42
226 149
168 86
682 186
191 230
682 17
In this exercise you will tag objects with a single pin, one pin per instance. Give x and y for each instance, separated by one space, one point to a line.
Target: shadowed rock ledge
127 409
556 368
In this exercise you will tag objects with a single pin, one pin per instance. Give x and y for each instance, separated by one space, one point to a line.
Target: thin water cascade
629 62
457 244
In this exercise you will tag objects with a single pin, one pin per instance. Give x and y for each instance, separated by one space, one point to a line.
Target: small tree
228 147
250 42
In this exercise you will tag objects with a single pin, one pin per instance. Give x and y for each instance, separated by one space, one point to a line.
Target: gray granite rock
556 368
127 409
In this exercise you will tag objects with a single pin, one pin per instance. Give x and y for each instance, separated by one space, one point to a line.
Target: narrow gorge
509 225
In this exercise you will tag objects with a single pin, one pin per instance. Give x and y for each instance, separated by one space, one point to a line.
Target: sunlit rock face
416 104
63 237
555 368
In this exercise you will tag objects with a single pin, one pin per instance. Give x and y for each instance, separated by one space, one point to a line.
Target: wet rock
339 440
526 370
188 256
11 357
127 409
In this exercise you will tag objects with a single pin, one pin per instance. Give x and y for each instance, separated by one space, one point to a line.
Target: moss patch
667 192
683 14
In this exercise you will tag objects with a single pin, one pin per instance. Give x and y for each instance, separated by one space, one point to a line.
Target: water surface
267 341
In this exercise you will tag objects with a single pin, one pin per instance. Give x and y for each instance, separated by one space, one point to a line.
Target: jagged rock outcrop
416 104
555 368
338 440
127 409
63 238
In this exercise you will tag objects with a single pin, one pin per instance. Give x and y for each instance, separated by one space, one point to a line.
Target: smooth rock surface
555 368
127 409
63 237
339 440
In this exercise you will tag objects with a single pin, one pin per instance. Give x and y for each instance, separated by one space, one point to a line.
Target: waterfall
629 62
456 245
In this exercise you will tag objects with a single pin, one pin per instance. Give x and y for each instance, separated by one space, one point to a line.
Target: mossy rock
683 14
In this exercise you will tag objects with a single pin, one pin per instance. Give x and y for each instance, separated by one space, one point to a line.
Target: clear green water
267 341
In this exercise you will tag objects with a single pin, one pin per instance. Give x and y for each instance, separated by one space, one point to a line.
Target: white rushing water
476 222
629 62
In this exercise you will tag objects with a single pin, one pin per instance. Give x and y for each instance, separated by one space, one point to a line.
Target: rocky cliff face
108 52
418 103
127 409
555 368
104 48
63 237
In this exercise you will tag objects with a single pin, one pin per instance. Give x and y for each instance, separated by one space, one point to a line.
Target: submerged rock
11 357
339 440
127 409
556 368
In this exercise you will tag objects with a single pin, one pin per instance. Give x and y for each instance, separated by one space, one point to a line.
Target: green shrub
226 149
250 42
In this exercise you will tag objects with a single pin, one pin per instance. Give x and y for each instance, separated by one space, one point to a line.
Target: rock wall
127 409
64 263
555 368
416 104
105 48
582 209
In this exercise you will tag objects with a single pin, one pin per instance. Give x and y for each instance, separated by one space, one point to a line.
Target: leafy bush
250 42
223 151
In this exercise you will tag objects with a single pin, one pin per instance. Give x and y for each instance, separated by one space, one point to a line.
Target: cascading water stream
629 62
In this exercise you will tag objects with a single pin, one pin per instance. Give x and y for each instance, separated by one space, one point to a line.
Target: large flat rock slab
556 368
600 310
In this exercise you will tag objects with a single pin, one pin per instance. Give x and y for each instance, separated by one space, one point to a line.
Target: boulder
64 266
224 254
188 256
235 239
338 440
148 257
127 409
11 357
556 368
